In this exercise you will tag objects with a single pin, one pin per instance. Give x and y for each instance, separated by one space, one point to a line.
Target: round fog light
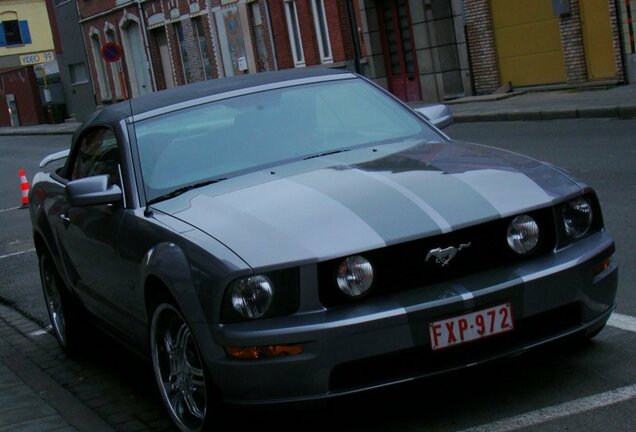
355 276
252 296
577 217
523 234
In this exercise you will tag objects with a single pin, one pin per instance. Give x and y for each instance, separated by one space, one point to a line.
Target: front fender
168 263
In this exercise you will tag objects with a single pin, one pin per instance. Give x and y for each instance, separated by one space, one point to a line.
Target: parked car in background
302 235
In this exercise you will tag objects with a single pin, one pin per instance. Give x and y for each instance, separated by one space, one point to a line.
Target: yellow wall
34 11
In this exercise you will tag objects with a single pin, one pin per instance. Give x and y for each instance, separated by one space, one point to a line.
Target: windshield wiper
326 154
183 190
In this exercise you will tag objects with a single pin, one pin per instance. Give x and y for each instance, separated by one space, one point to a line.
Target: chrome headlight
355 276
577 217
523 234
252 296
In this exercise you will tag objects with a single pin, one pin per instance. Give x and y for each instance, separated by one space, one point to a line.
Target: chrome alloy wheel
53 299
178 368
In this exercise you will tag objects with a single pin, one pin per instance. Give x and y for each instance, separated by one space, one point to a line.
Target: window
78 73
183 51
322 32
294 33
98 154
199 33
249 132
114 71
14 32
100 67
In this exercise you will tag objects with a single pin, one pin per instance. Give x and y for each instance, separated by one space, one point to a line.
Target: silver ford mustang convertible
302 234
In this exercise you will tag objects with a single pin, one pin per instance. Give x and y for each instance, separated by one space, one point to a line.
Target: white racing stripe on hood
423 205
283 221
509 192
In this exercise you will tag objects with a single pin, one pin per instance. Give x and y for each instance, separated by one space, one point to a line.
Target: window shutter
3 39
24 32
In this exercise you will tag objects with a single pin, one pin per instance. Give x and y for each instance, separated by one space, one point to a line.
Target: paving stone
132 426
44 424
33 410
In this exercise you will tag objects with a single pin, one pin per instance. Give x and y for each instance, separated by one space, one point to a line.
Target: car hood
330 206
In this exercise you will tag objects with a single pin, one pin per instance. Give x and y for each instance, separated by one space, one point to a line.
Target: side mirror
438 114
92 191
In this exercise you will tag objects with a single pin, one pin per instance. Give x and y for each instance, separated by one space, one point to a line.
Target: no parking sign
111 52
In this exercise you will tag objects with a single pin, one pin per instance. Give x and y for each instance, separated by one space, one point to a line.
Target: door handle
66 219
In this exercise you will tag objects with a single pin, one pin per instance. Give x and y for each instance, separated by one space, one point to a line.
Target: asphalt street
19 280
589 387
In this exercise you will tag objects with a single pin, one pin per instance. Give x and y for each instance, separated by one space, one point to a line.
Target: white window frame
110 35
100 66
322 34
293 28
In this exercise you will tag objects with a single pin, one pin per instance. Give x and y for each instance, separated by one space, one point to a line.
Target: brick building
430 50
539 42
167 43
174 42
314 32
417 48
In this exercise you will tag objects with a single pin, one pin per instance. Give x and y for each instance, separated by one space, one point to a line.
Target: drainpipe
621 34
271 34
144 35
80 17
354 34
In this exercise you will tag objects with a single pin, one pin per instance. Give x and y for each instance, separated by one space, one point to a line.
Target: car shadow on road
120 387
452 401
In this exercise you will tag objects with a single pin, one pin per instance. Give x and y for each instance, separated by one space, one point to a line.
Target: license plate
471 326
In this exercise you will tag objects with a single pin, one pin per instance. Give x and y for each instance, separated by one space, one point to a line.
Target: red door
399 49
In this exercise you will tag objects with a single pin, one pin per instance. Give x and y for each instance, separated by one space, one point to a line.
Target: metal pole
122 80
144 37
354 35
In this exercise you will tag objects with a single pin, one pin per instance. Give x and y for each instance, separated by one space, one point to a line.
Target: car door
88 235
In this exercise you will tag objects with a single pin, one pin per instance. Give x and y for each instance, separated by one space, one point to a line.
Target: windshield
244 133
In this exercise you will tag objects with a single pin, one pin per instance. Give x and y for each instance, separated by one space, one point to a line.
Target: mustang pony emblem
444 256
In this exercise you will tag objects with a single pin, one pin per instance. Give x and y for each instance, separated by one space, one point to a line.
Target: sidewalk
584 102
41 390
30 400
43 129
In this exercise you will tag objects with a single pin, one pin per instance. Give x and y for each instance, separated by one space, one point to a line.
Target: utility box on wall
561 7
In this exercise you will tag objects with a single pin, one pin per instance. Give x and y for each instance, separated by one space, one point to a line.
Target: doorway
135 58
164 55
597 39
399 49
528 41
13 110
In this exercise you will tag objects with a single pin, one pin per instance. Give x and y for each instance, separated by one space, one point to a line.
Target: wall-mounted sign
37 58
111 52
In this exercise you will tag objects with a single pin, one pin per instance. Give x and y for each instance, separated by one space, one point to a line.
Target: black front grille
404 266
422 361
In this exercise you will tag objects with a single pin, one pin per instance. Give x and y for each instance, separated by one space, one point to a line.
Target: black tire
64 312
182 378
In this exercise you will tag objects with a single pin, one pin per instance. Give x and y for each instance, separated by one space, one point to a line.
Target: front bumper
385 340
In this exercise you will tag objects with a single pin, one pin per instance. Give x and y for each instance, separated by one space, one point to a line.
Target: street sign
37 58
111 52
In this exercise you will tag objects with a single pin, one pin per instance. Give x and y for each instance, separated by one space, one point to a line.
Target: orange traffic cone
24 188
